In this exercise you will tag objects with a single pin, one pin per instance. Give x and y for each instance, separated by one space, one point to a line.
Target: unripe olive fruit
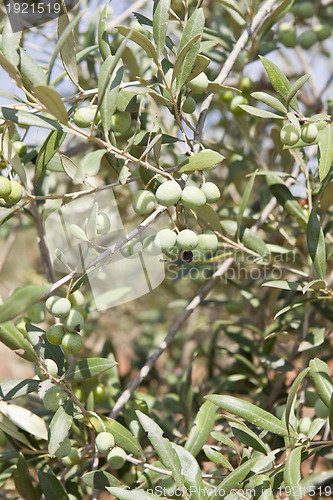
289 134
77 298
3 163
305 9
304 425
234 307
193 197
199 84
36 313
165 239
84 116
20 148
187 239
321 410
280 411
211 191
51 367
104 442
103 224
64 449
189 105
207 242
309 133
236 102
73 458
5 187
99 393
150 247
54 397
116 458
72 342
15 194
307 39
55 334
131 249
245 84
287 34
323 31
143 202
74 322
121 121
226 95
168 193
79 393
58 306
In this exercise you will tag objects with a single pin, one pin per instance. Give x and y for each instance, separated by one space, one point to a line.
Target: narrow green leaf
10 43
66 34
295 88
67 50
283 195
100 479
316 244
69 166
185 61
279 81
250 412
320 374
224 440
60 426
163 448
246 436
13 159
263 488
20 300
92 161
15 340
201 161
140 39
23 481
102 34
315 481
108 89
52 101
7 426
292 474
24 419
31 72
325 142
123 494
217 458
315 338
160 23
24 118
201 428
47 151
285 285
191 472
87 368
12 389
189 48
292 397
51 486
210 217
292 306
244 203
122 436
201 63
261 113
11 70
274 16
270 100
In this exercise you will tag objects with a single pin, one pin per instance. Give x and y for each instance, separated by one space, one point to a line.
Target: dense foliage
166 252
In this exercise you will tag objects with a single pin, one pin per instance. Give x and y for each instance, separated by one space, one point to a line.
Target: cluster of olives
234 102
66 333
170 193
85 115
10 191
290 134
288 34
105 444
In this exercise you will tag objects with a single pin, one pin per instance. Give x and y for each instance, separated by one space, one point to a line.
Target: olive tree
170 167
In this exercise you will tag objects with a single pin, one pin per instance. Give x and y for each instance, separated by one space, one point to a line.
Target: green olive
121 121
143 202
289 135
309 133
5 187
168 193
20 148
187 239
193 197
15 194
58 306
54 397
55 334
211 191
72 342
189 105
74 322
116 458
287 34
307 39
36 313
104 442
199 84
237 101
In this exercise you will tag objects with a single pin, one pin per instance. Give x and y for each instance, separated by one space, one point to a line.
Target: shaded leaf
12 389
48 149
51 486
15 340
325 142
283 195
160 22
60 426
102 34
23 481
201 161
201 428
247 436
316 244
320 374
21 299
12 157
67 50
292 474
123 494
250 412
87 368
100 479
292 398
31 72
218 458
7 426
244 203
52 101
141 40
